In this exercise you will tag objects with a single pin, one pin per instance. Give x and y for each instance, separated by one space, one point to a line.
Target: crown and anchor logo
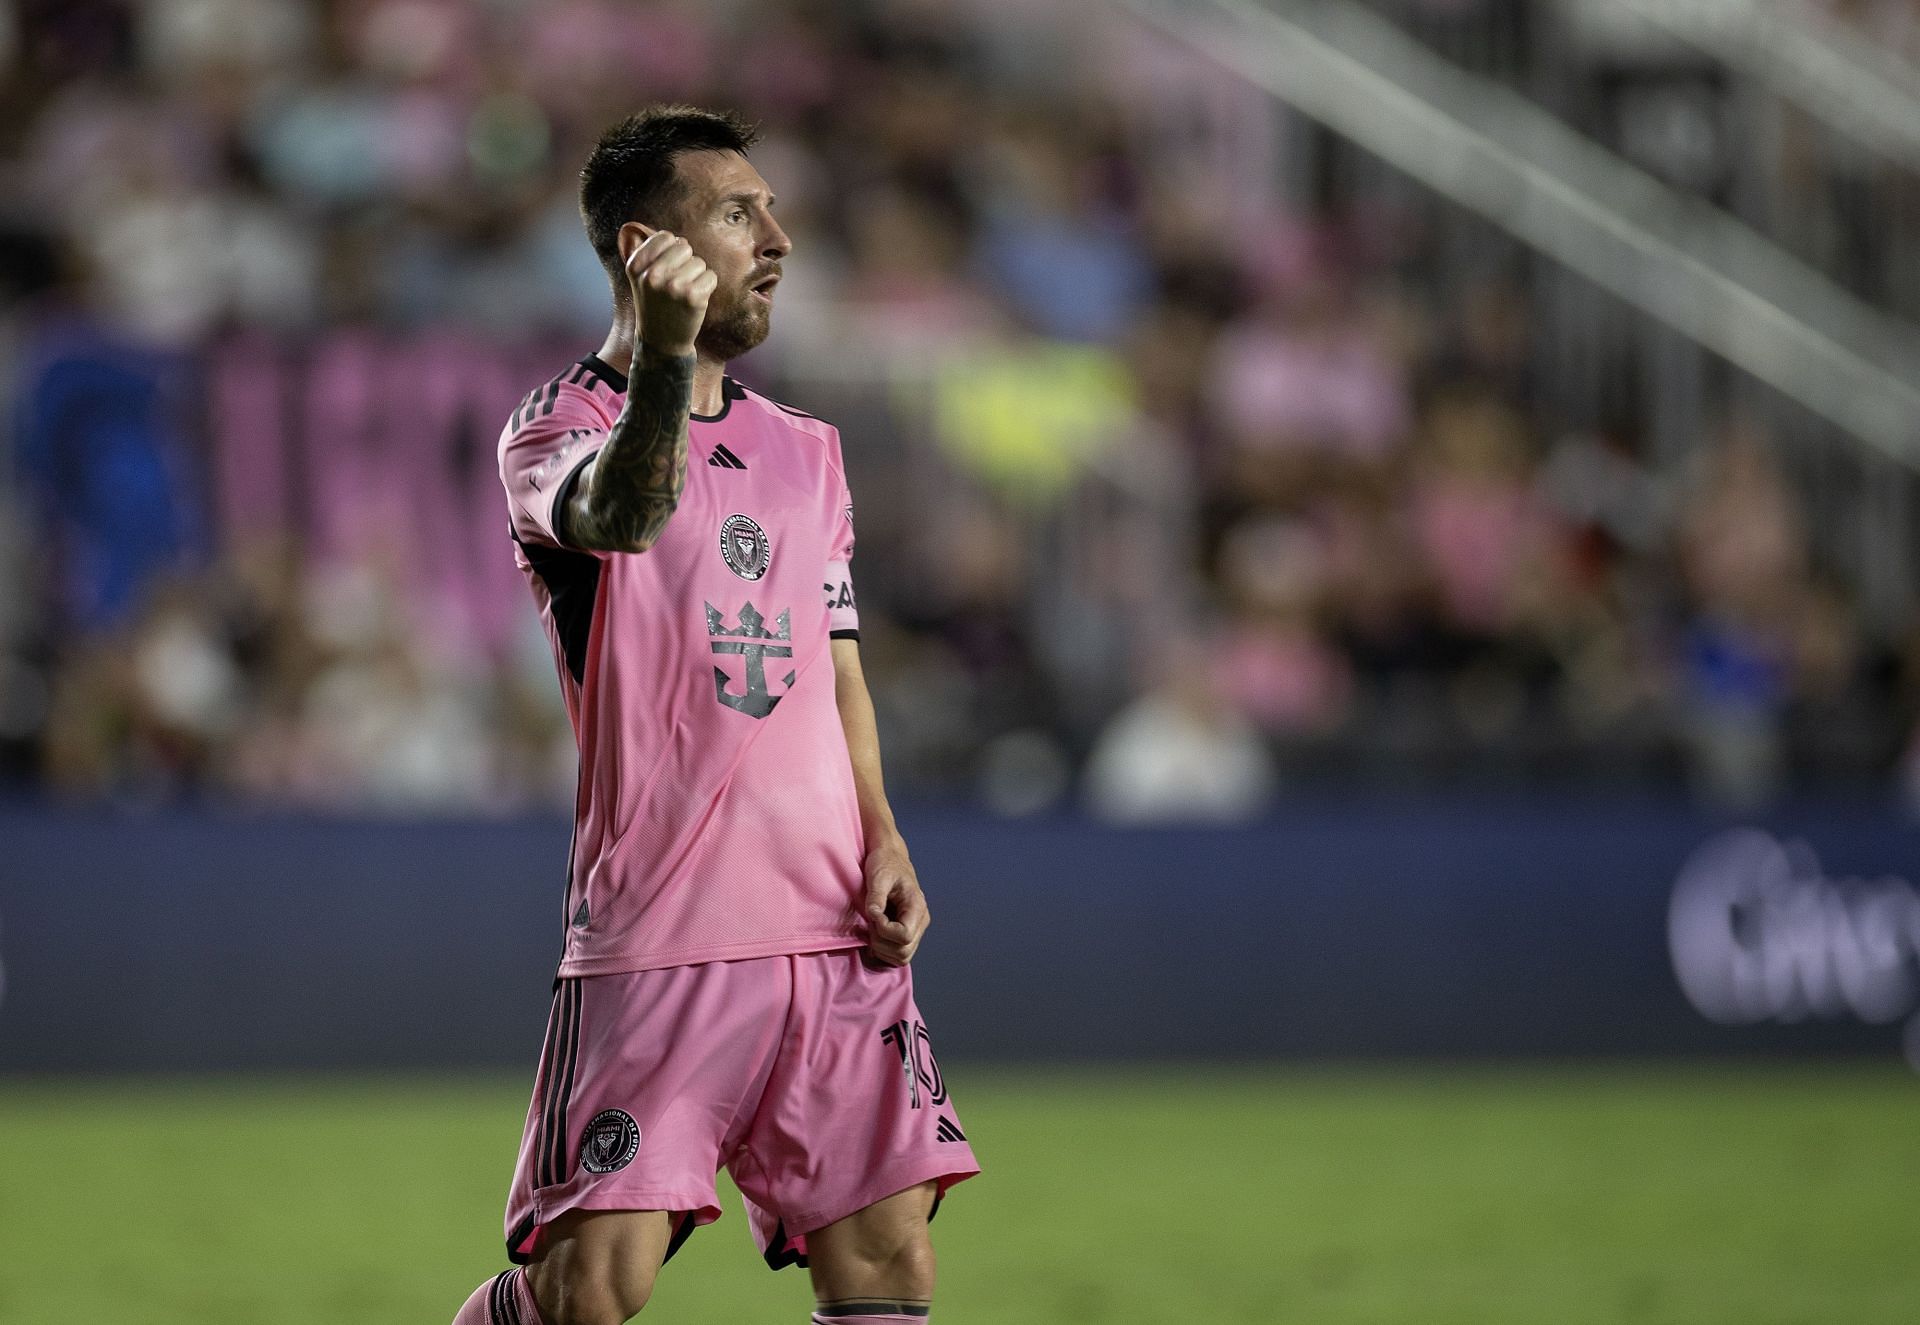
753 641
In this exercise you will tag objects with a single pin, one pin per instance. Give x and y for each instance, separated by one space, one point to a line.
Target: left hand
895 908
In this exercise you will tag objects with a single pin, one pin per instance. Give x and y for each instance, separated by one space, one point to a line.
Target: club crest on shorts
611 1142
744 545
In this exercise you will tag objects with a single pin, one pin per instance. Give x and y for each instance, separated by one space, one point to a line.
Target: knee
882 1251
590 1298
911 1267
901 1265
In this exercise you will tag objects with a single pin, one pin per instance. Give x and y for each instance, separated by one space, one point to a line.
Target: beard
732 329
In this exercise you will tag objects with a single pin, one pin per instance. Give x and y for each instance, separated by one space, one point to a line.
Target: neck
616 351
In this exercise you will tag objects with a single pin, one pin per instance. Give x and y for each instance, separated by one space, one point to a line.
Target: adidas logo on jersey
725 459
945 1130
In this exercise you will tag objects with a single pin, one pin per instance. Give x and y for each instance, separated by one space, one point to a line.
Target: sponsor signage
1760 931
1371 927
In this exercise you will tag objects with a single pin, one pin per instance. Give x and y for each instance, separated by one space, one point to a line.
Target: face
725 213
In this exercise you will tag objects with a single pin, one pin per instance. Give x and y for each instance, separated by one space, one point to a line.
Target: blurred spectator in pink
1274 659
1305 377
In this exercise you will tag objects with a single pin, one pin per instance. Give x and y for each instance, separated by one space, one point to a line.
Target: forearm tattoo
636 481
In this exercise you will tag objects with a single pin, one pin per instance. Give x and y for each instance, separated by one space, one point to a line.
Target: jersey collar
730 390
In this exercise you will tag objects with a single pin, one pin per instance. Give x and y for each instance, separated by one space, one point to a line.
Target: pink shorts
810 1078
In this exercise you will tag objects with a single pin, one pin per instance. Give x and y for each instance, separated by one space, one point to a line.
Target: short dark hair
629 176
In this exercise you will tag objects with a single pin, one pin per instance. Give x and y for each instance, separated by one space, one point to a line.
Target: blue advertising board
1429 929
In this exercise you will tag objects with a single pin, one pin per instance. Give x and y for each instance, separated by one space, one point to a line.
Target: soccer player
740 908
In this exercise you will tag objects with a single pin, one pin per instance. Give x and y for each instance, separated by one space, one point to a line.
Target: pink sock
872 1313
504 1299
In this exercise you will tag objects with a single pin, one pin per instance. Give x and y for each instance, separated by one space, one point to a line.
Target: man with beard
740 908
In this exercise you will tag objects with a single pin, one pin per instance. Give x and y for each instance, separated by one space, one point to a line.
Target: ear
632 235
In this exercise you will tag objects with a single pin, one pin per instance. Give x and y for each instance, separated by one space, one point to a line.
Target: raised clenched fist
670 291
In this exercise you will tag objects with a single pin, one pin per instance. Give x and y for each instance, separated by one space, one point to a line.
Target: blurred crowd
1173 497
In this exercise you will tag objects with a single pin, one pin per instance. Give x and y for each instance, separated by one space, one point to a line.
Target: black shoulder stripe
797 413
530 404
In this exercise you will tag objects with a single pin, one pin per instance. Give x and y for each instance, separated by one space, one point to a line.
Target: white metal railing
1676 258
1830 71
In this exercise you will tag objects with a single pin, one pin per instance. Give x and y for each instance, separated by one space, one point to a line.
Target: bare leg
876 1264
597 1267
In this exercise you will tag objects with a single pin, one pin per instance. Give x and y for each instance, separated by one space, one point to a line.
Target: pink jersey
716 817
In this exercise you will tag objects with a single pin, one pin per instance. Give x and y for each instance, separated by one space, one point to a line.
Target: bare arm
624 495
863 741
895 908
621 500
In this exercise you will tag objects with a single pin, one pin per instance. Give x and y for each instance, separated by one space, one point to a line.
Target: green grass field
1752 1196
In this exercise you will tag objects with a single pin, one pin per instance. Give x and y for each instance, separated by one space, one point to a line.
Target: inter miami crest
743 544
611 1142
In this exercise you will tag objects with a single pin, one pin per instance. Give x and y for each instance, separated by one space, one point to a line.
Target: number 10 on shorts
911 1041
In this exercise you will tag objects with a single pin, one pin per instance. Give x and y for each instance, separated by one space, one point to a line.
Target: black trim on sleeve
564 494
843 634
573 587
